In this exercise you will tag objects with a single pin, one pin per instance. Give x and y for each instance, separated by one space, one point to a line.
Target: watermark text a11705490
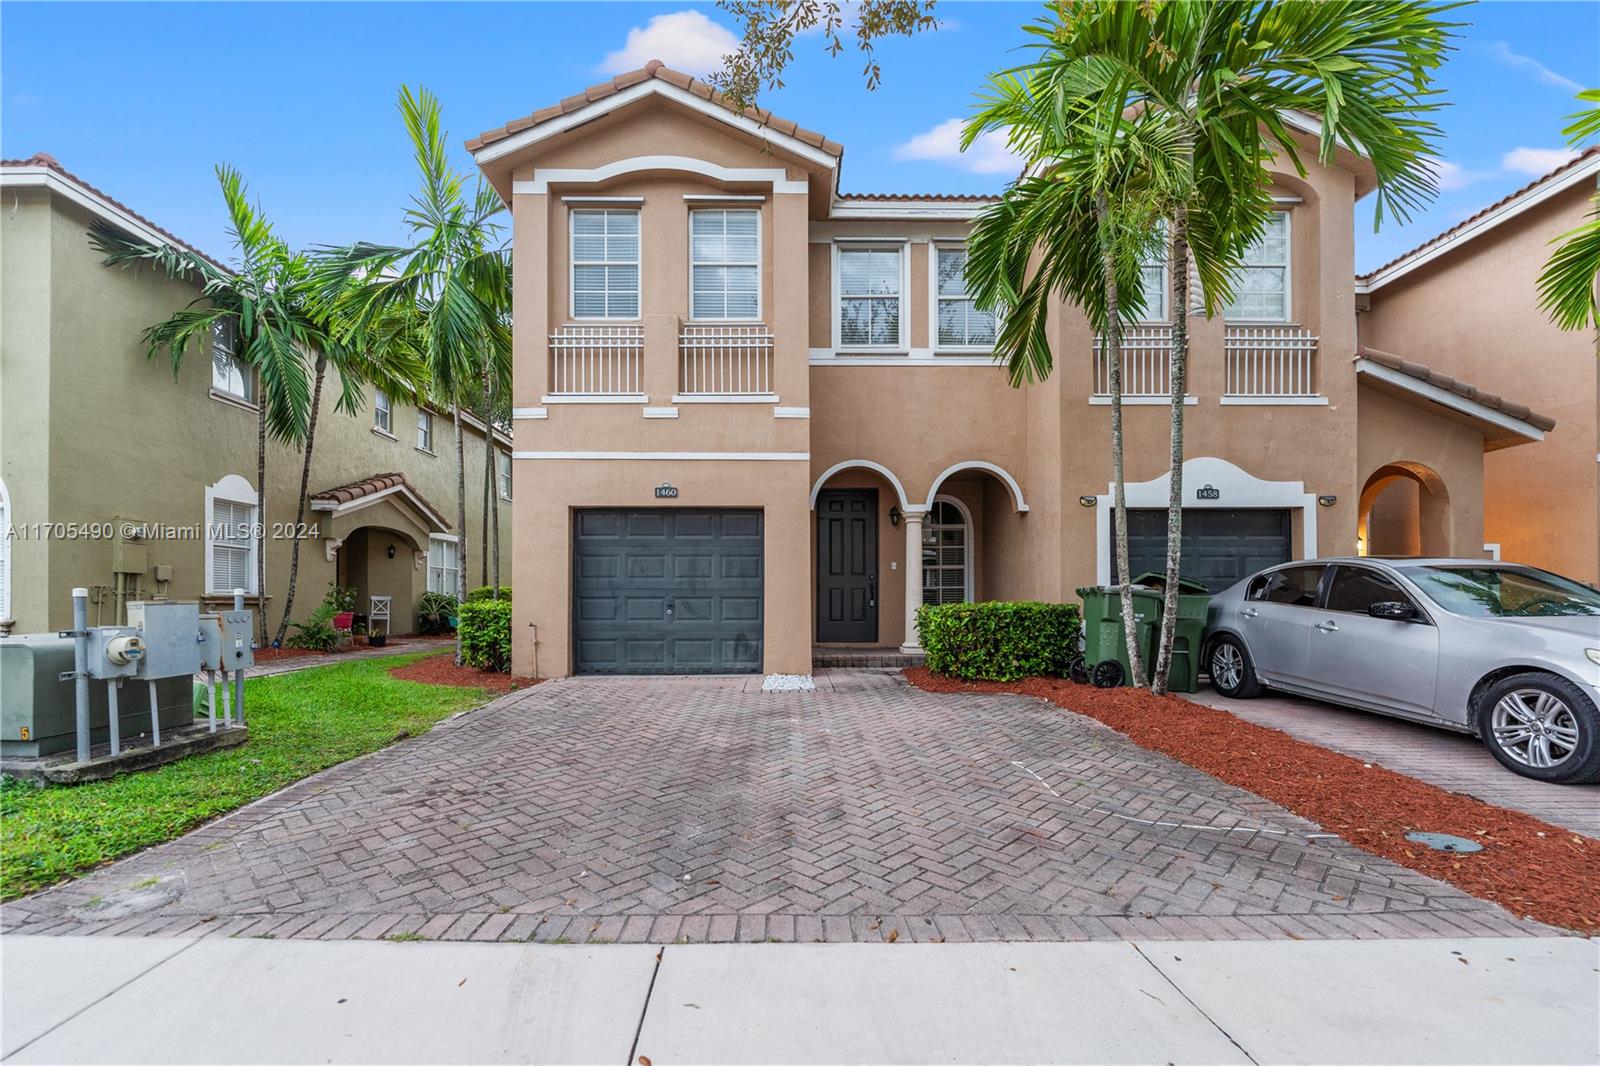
122 529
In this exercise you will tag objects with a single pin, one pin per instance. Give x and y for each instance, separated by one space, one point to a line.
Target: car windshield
1503 592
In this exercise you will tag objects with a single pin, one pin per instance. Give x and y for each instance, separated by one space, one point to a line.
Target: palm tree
1567 288
455 275
1221 84
261 304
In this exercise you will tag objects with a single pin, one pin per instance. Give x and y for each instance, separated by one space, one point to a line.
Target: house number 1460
666 492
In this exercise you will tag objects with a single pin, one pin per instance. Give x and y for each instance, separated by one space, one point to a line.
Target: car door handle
1327 627
1249 612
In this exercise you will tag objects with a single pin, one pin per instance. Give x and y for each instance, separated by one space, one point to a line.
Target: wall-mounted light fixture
1088 501
894 515
1327 501
391 551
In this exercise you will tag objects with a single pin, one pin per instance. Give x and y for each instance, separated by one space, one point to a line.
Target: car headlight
1593 654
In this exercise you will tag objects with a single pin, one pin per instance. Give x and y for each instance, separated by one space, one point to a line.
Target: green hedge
486 592
485 627
1000 640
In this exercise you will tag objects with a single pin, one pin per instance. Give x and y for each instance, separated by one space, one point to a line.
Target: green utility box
1189 633
1104 641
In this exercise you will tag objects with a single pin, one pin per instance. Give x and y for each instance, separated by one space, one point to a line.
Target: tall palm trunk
1179 373
1119 500
261 518
305 487
461 521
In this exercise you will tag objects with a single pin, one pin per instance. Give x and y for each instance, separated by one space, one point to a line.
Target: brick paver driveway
703 809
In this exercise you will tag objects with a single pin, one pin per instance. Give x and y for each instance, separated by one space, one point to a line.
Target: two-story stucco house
754 416
97 440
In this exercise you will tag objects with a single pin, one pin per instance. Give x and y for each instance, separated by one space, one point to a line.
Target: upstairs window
1153 279
725 264
605 263
1261 287
959 322
870 281
228 374
424 430
382 414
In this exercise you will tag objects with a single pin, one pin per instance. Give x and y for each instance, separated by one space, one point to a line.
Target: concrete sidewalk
89 999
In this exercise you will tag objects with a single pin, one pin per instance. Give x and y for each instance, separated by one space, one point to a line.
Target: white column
913 579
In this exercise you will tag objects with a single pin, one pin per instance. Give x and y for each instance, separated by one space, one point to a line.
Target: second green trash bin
1189 633
1105 647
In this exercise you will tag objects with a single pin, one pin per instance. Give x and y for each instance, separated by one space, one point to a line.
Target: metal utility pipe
211 680
111 716
238 673
80 667
155 717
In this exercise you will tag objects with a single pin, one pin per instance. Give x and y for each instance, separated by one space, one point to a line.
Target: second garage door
667 591
1219 546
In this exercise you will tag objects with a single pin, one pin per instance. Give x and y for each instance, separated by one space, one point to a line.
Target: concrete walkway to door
702 809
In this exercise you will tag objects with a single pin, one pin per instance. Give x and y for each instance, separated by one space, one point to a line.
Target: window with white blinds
870 295
725 264
230 535
605 263
425 430
444 565
228 374
382 412
960 323
503 469
1261 286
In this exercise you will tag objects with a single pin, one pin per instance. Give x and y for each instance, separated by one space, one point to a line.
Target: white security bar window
725 261
228 374
961 324
503 468
425 430
381 411
1261 287
444 564
1153 280
870 294
605 263
944 554
230 530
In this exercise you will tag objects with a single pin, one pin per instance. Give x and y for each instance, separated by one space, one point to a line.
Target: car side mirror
1394 610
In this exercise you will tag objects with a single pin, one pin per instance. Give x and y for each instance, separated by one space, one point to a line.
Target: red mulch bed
272 655
1529 867
441 669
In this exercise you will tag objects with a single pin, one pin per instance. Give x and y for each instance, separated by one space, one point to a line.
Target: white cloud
1452 176
1502 53
989 154
683 40
1536 161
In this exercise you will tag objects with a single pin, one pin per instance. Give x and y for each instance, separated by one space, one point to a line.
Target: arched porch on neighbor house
880 551
381 536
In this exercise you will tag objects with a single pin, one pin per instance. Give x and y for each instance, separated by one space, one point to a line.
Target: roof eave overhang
432 520
1500 430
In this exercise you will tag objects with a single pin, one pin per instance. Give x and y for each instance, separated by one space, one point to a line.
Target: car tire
1232 673
1542 726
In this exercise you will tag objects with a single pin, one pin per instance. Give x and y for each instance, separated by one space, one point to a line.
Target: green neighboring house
96 440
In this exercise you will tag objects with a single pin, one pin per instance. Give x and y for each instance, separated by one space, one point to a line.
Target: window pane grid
960 323
869 297
944 555
605 263
1261 285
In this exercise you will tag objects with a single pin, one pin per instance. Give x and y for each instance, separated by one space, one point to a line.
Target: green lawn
299 724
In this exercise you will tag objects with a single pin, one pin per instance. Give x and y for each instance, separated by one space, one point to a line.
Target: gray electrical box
226 640
115 651
172 637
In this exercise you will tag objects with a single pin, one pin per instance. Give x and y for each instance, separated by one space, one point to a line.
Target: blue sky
143 99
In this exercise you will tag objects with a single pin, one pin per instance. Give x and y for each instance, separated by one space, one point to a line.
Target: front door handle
1327 627
1249 612
872 590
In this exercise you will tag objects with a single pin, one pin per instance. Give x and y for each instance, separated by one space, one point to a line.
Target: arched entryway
378 533
858 507
1405 511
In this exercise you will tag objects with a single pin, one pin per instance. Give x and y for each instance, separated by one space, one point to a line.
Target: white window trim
760 248
933 302
637 210
427 578
424 413
902 246
1165 318
246 373
231 488
500 456
1288 282
966 542
382 404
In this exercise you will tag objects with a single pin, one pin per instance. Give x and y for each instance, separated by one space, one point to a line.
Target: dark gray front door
847 566
667 591
1219 546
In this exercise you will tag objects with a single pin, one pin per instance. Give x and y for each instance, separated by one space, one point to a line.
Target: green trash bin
1103 638
1189 634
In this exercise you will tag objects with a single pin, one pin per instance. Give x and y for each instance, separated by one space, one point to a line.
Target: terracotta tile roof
48 161
356 490
1587 153
1460 388
900 197
652 69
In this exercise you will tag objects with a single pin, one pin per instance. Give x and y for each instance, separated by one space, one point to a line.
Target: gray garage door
667 591
1219 546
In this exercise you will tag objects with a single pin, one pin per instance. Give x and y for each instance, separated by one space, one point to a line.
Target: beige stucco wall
1398 433
1473 314
90 430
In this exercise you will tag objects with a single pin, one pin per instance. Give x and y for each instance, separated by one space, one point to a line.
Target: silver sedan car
1508 652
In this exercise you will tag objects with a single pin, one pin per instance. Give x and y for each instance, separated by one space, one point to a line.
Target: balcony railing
596 361
1270 361
724 361
1146 362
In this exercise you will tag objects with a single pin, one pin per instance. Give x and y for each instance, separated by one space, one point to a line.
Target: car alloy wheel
1534 727
1227 666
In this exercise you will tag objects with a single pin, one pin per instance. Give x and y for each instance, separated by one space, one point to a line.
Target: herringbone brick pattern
705 810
